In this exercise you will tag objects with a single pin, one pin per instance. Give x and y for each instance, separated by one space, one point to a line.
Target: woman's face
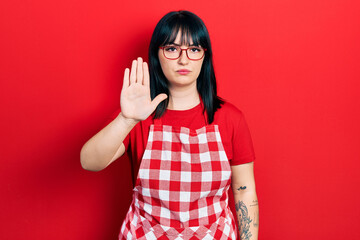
180 72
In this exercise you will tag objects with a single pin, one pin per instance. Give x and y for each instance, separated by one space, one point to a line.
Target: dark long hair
191 27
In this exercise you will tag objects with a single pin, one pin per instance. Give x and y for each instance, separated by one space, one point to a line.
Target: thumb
158 99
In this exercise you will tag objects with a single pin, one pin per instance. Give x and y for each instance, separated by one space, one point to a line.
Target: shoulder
231 119
234 133
229 112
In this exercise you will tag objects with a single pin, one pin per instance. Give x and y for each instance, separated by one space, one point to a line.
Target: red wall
291 66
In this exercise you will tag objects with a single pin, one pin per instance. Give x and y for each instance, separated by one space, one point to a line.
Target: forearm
104 146
247 211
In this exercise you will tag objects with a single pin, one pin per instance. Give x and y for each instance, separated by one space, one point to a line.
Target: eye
170 49
195 49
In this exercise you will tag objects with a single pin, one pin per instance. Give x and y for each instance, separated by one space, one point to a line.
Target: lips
183 71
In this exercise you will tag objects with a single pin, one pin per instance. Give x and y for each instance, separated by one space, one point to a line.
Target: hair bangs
189 34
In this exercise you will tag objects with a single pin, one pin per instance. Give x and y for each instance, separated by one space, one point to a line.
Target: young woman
187 145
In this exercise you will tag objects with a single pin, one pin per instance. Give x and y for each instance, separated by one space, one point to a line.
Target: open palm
135 100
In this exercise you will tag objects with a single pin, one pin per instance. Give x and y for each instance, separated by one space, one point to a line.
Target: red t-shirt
233 129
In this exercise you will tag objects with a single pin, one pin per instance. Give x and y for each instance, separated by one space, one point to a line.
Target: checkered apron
181 191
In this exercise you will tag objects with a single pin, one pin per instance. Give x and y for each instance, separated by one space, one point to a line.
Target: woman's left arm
246 203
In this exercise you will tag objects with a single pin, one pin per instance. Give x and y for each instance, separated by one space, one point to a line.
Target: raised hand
135 100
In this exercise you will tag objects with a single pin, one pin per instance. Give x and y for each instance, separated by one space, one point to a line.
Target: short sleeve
242 145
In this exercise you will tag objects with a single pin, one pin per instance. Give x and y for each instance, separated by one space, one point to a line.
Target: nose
183 59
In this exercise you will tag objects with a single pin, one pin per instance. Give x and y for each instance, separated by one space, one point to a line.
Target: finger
158 99
146 74
139 71
133 72
126 80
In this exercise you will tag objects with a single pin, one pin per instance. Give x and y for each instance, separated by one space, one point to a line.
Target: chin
182 84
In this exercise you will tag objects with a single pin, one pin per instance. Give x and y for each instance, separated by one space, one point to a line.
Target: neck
183 98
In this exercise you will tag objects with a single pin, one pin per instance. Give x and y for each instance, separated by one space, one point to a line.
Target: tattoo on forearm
243 220
256 220
254 203
256 214
241 188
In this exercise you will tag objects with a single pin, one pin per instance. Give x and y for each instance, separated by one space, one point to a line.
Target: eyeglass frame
181 50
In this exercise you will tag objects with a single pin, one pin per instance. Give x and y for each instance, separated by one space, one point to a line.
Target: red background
291 66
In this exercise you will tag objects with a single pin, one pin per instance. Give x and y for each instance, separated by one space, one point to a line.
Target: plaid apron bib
182 187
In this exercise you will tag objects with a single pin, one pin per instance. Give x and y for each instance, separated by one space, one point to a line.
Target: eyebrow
191 45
